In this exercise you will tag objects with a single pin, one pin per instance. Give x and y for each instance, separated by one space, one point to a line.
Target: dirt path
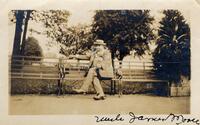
84 104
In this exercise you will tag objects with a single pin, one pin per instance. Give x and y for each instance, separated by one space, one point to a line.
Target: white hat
99 42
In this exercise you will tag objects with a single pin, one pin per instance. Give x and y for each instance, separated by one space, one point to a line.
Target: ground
84 104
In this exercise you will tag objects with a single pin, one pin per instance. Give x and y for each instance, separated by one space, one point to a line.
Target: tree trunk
18 32
25 30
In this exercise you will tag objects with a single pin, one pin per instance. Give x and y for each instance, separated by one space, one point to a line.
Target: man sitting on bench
97 69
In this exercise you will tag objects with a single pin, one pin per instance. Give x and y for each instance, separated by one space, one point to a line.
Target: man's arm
83 57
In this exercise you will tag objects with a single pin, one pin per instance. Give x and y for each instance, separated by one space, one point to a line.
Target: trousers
92 78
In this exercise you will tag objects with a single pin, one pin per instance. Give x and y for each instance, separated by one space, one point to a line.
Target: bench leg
60 89
112 87
168 89
120 88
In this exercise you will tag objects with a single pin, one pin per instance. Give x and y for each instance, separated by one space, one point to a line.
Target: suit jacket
106 65
102 60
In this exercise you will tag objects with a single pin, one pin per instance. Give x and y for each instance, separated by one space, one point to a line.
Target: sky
81 17
85 16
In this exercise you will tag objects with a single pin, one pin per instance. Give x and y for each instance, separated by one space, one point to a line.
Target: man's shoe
79 91
99 97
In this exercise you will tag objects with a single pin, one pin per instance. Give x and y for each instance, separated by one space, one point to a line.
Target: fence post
129 69
22 61
40 63
144 69
78 65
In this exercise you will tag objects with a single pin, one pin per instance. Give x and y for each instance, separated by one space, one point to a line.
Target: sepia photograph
103 61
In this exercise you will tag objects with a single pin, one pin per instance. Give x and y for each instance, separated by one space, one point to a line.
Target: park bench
136 72
22 67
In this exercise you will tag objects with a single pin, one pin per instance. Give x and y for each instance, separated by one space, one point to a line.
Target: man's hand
72 56
119 72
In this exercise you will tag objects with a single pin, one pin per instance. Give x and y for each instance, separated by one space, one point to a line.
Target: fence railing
47 67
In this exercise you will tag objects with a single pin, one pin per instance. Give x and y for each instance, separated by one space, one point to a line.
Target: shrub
32 48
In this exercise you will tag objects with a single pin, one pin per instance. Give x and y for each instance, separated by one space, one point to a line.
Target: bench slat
141 80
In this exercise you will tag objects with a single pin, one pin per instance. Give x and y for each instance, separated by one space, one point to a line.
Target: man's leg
98 87
88 80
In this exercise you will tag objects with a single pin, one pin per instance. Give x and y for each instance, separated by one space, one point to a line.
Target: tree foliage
124 30
54 21
73 40
173 47
76 40
32 48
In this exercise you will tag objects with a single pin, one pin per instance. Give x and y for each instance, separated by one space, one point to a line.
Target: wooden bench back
136 71
46 68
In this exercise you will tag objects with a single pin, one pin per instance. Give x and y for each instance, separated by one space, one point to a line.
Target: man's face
99 47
